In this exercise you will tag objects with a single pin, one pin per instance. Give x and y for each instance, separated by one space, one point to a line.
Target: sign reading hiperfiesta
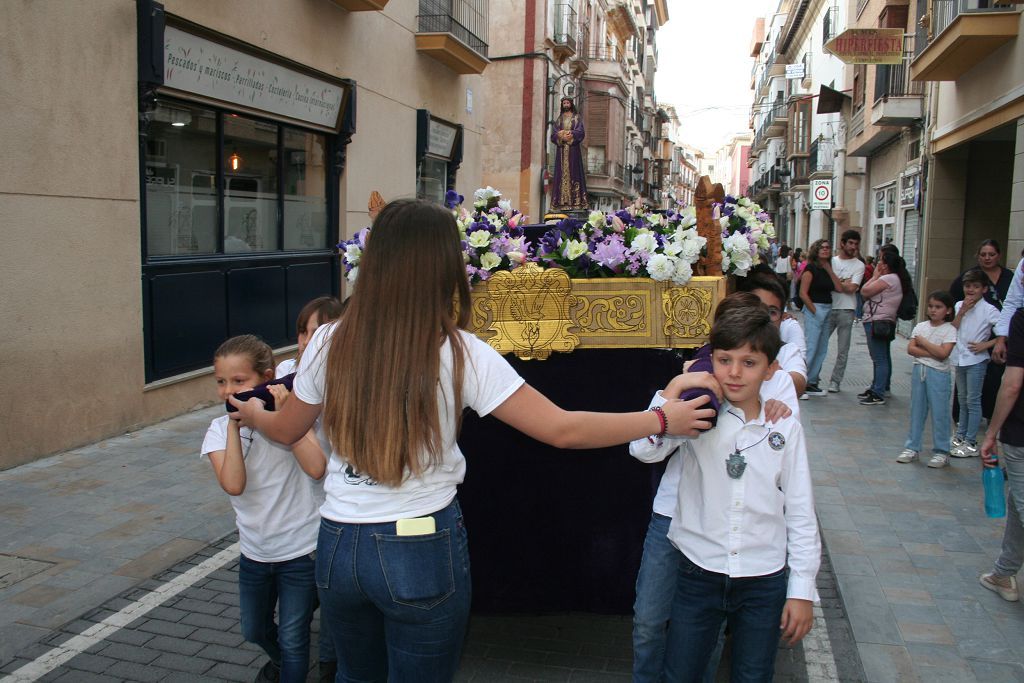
200 66
868 46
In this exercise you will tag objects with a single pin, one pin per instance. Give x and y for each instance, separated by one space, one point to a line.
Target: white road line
821 664
76 645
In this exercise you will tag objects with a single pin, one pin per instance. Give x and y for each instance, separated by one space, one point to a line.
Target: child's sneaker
805 397
939 460
814 390
1005 586
872 399
907 456
864 394
833 387
956 442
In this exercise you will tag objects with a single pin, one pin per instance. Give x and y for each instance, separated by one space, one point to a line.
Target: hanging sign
821 194
794 71
868 46
196 65
909 188
440 139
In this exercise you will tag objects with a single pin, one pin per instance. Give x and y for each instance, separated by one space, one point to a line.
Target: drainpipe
839 167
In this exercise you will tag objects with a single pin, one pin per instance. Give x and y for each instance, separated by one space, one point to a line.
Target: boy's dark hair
737 300
849 235
974 276
327 309
768 284
943 297
746 325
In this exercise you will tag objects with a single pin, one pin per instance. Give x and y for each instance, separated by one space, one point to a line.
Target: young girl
974 321
319 311
392 561
271 489
931 342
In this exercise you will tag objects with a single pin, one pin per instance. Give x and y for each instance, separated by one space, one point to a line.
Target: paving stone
182 662
220 653
231 672
179 646
90 662
207 635
129 653
130 671
166 628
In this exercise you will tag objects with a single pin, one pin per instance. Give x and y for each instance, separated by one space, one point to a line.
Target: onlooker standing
849 274
1008 423
816 286
1014 300
783 268
974 321
869 270
797 263
882 295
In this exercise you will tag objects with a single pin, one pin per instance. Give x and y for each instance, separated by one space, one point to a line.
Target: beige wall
72 342
944 212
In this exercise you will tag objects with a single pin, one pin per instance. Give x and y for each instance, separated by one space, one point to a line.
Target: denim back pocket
326 547
417 569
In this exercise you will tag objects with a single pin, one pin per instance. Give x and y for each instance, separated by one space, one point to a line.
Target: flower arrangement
631 242
746 229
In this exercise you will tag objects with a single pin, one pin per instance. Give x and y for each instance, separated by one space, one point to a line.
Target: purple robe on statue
569 191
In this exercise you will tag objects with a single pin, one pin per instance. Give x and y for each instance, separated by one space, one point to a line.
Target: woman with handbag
882 295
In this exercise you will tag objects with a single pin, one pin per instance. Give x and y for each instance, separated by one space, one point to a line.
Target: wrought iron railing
945 12
821 157
566 31
465 19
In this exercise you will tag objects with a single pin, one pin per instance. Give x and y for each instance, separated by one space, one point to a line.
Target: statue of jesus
569 191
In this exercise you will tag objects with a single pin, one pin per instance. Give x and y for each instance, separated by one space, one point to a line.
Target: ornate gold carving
687 312
530 309
624 312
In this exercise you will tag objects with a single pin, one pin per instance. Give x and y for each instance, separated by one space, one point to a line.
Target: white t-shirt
935 334
783 266
353 497
975 326
851 269
779 387
792 333
276 515
285 367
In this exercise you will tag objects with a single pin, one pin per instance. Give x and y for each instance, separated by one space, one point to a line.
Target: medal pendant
735 465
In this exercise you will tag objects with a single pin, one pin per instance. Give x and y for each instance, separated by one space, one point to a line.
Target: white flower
490 261
644 241
744 201
352 253
673 247
655 218
683 272
480 239
573 249
494 219
724 222
515 257
691 244
486 193
596 219
762 241
688 221
352 274
506 206
660 267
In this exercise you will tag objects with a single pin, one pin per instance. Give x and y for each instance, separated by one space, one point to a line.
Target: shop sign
821 194
868 46
910 187
440 139
794 71
196 65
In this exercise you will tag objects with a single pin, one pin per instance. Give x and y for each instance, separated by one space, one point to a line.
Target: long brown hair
381 409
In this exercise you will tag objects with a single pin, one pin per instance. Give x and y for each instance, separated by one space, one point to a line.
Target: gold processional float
532 311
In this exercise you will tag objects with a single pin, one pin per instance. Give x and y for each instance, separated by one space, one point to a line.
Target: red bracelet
657 410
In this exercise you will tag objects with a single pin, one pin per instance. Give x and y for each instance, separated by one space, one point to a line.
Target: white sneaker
939 460
965 450
1008 593
805 397
833 387
907 456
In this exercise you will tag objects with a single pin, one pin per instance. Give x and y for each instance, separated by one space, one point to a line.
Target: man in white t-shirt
850 271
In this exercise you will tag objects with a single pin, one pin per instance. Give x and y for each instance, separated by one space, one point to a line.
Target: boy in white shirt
974 320
744 512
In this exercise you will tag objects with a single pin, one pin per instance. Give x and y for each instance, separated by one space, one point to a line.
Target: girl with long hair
816 285
392 378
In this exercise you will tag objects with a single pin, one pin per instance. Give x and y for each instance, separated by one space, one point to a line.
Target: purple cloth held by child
702 363
262 392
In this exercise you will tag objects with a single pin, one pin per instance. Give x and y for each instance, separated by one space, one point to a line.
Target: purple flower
610 253
452 199
551 241
729 199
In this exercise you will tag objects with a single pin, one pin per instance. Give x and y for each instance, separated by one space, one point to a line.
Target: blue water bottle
995 499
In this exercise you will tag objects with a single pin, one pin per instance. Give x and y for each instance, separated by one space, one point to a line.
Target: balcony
821 158
454 32
770 181
566 31
771 70
361 5
581 60
609 61
800 167
899 101
959 34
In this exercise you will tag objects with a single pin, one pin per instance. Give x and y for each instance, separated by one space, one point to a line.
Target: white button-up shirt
754 525
976 326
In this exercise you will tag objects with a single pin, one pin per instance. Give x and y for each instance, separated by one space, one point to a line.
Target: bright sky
704 67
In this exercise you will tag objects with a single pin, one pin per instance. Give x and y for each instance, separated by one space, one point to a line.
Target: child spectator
931 342
319 311
974 321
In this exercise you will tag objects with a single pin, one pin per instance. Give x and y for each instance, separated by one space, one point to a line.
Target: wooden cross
707 225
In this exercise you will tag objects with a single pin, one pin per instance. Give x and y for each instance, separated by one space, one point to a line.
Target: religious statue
569 191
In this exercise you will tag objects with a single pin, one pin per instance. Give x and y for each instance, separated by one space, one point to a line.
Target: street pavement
118 562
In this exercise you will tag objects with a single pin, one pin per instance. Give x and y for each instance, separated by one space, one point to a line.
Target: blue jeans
397 606
969 380
290 587
1012 555
878 349
929 392
859 311
655 586
753 608
816 334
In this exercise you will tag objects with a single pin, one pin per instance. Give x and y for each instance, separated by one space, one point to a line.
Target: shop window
438 154
222 183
